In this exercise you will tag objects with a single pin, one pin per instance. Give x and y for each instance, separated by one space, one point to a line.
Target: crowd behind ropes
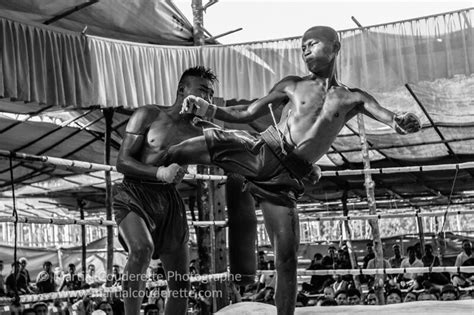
322 290
327 290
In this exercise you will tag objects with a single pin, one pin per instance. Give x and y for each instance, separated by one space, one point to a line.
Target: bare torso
167 129
314 116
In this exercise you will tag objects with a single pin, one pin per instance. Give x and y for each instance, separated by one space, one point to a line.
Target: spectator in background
410 279
329 293
428 295
151 309
23 263
353 297
106 307
371 265
329 261
40 308
394 296
262 261
45 279
449 293
92 280
418 252
370 254
429 260
396 260
3 291
116 276
371 298
71 280
16 281
58 277
343 260
410 297
83 306
341 297
317 281
462 280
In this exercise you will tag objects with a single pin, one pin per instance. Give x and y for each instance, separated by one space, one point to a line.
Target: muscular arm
402 123
248 113
370 107
128 160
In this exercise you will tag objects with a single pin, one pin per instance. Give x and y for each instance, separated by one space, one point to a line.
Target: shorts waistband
296 165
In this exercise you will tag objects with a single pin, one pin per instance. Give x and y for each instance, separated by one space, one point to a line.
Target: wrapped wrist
159 173
211 111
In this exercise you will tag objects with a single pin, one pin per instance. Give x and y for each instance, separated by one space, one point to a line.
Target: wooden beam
370 190
108 115
70 11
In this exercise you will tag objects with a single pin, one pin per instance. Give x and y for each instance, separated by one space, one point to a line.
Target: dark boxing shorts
270 175
160 206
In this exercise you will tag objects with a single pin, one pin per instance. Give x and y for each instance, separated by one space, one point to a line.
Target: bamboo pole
80 205
88 166
108 115
347 236
370 191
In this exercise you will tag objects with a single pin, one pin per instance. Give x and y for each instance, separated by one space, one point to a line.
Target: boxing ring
460 307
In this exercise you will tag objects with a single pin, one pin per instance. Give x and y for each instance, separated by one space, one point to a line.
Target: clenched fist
198 106
406 123
172 174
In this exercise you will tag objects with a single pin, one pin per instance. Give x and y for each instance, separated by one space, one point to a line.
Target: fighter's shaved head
321 32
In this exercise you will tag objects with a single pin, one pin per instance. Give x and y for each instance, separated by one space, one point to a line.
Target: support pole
108 115
203 237
347 236
421 233
370 190
218 235
198 25
80 206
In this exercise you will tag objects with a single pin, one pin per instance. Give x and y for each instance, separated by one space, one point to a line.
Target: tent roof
447 117
157 22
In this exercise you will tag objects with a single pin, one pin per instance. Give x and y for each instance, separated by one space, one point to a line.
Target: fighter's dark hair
200 72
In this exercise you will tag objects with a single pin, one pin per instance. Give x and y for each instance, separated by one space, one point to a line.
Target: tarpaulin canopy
158 22
432 56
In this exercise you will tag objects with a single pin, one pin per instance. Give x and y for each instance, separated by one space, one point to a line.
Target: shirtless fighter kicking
275 161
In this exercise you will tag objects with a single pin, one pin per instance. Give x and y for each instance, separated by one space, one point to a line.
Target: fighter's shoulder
142 118
355 91
287 81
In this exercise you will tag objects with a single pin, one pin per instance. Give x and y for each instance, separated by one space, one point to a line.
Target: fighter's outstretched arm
240 113
402 123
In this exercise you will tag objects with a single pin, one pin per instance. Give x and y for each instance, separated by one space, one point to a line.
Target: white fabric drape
44 66
59 68
132 75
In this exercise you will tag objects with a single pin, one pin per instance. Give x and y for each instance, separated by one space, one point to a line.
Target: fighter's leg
191 151
140 246
282 226
176 265
242 231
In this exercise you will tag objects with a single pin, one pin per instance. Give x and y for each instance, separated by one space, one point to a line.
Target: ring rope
378 271
29 298
102 222
88 165
102 167
91 222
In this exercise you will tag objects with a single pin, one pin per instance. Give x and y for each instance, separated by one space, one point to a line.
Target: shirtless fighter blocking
274 162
